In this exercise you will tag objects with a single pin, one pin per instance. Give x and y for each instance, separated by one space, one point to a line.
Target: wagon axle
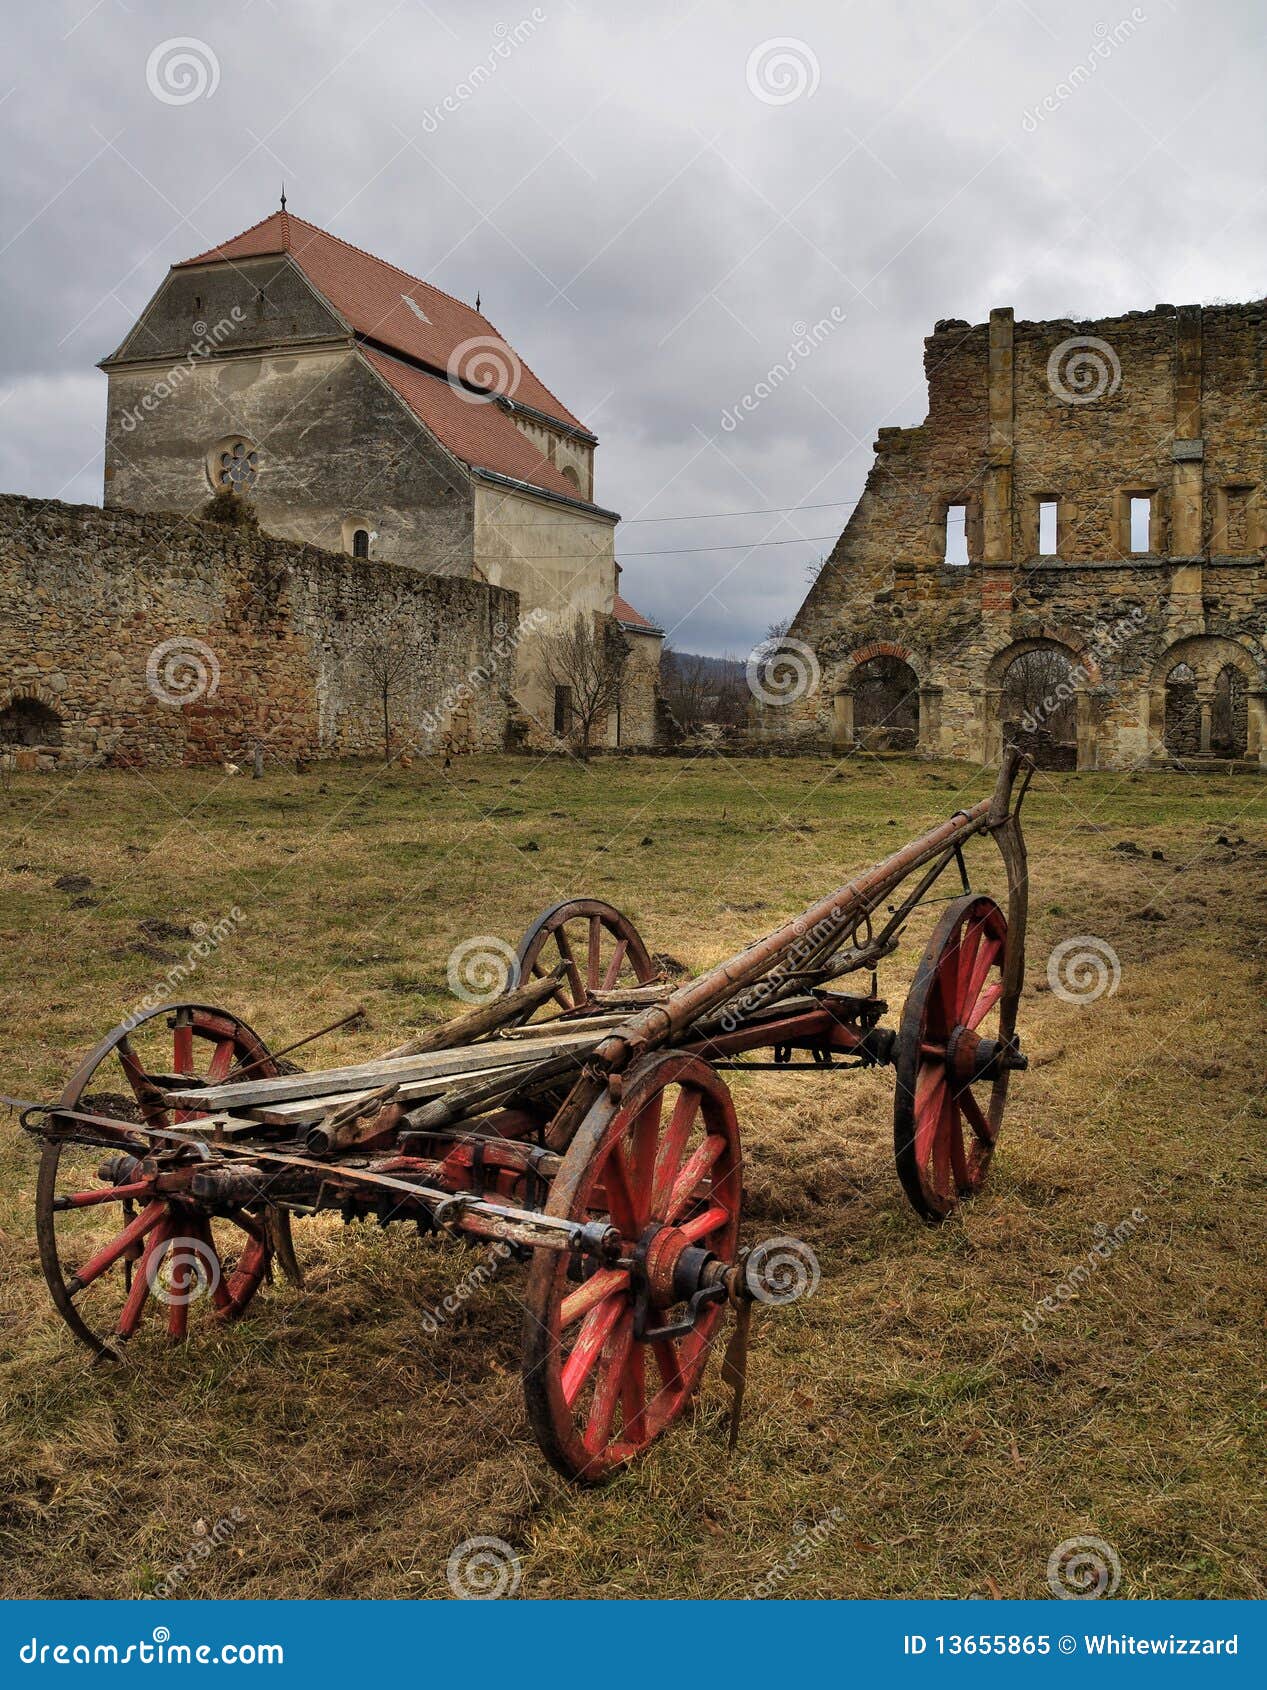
581 1120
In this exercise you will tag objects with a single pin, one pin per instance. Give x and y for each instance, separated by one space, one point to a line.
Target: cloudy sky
657 202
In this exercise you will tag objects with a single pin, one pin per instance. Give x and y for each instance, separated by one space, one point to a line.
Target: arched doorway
885 704
26 722
1039 706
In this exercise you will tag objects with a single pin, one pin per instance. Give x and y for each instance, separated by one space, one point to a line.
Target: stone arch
1058 725
28 721
881 695
1206 698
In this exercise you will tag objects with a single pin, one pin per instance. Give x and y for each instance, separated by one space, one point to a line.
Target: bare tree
686 686
584 661
387 659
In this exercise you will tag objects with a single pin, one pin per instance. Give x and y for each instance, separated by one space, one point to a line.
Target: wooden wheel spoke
609 1384
633 1396
929 1094
701 1225
222 1059
976 1118
990 953
958 1157
594 1333
969 945
137 1297
941 1172
666 1359
984 1004
594 954
118 1246
102 1194
143 1088
574 972
694 1170
605 1283
183 1047
621 1202
617 962
672 1146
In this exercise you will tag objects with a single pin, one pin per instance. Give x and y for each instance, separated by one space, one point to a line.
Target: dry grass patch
957 1447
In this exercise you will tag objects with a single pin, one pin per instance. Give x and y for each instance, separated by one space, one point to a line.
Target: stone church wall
160 640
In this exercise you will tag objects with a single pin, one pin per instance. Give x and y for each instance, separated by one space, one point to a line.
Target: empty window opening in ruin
886 705
1182 730
956 553
1236 521
361 543
1047 527
1141 522
27 721
1040 706
562 710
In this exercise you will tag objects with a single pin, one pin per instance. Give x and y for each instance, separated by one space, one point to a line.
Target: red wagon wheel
112 1246
599 947
664 1164
952 1076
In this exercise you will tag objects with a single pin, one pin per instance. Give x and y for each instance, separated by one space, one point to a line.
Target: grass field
908 1431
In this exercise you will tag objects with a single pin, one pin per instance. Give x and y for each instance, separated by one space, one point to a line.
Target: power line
713 516
736 546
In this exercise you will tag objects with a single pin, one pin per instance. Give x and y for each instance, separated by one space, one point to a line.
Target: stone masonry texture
1167 406
159 639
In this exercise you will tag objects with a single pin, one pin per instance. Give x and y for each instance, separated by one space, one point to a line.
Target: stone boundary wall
159 640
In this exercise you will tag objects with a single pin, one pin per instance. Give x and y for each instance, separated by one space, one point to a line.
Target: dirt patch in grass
942 1426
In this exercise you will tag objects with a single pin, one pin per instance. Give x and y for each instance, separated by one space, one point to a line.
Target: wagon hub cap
970 1058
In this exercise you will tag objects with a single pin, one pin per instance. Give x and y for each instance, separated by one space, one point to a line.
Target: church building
364 411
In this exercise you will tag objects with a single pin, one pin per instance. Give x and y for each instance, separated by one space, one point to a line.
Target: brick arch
880 648
1034 638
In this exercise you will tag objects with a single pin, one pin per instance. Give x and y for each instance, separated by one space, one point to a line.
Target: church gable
225 308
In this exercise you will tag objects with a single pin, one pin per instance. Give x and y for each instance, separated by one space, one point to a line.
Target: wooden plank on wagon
369 1076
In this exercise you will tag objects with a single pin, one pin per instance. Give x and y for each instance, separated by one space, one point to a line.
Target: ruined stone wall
159 640
1168 405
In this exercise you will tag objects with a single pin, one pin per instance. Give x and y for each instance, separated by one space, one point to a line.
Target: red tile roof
624 612
476 430
386 304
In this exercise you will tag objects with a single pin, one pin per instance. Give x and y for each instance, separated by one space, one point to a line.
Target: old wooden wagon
581 1119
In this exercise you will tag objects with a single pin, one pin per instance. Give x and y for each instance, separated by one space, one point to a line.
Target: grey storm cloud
656 203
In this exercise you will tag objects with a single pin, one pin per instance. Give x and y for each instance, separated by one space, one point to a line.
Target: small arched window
361 542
